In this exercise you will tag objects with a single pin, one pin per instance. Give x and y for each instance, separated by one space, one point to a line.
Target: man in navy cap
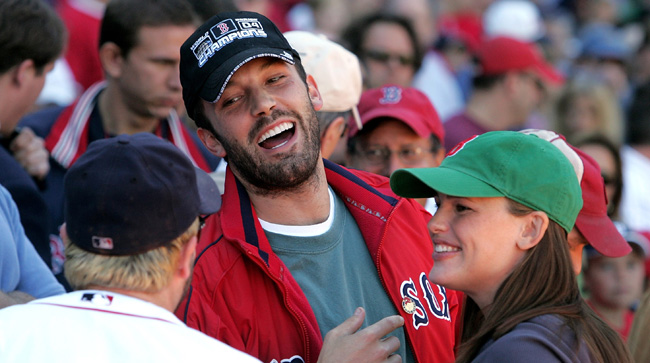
132 208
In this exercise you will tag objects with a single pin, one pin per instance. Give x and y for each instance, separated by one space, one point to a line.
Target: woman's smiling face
475 244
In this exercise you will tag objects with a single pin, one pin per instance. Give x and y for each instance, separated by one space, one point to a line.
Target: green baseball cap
521 167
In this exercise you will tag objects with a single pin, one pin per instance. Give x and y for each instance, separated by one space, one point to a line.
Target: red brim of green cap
427 182
602 235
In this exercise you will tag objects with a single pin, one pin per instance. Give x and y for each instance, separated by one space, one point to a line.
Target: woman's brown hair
544 283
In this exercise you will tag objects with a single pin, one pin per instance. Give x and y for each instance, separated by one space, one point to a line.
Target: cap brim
602 235
427 182
218 79
549 74
209 194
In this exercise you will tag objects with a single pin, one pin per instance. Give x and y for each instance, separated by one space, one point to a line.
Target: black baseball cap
215 51
130 194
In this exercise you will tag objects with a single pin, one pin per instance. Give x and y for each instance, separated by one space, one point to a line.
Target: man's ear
21 73
314 94
211 142
112 59
186 260
532 231
331 136
439 155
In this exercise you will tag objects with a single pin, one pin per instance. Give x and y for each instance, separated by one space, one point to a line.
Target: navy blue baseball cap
132 193
228 40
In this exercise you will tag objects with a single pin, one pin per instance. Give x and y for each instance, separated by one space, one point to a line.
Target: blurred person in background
604 55
401 128
140 51
387 47
446 54
638 338
337 73
608 157
614 285
32 37
587 107
509 86
635 156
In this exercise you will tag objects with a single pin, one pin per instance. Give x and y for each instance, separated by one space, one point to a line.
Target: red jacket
243 295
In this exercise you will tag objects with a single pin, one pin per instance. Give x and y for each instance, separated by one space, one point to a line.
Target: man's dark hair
206 9
29 29
354 35
325 118
199 113
485 82
638 117
123 19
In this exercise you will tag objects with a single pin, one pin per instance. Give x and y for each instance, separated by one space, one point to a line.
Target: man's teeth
445 248
276 130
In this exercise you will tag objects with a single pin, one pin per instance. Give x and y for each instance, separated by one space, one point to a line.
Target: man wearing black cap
300 242
132 212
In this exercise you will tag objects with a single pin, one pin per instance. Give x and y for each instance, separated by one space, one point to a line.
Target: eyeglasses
384 57
381 155
608 179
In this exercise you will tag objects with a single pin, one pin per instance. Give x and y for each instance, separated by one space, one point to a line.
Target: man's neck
490 112
306 205
163 298
118 119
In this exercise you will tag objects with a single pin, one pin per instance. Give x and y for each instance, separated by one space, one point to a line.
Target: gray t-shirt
336 272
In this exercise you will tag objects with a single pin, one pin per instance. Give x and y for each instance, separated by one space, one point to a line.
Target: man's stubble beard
286 175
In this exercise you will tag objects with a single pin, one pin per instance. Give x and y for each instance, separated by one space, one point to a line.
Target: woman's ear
536 224
314 94
211 142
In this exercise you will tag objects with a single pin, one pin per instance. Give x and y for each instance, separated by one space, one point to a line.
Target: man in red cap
401 129
510 83
593 226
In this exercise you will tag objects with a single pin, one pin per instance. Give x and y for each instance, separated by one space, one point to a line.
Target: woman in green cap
506 202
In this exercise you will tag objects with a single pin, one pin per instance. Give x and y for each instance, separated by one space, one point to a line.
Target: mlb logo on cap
391 95
103 243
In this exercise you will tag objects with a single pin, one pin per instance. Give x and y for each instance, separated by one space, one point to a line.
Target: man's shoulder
459 128
41 121
373 181
215 253
459 121
13 175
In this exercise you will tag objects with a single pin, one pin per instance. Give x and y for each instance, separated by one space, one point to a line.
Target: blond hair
146 272
607 112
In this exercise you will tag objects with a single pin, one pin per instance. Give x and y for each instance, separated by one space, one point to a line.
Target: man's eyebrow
269 62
